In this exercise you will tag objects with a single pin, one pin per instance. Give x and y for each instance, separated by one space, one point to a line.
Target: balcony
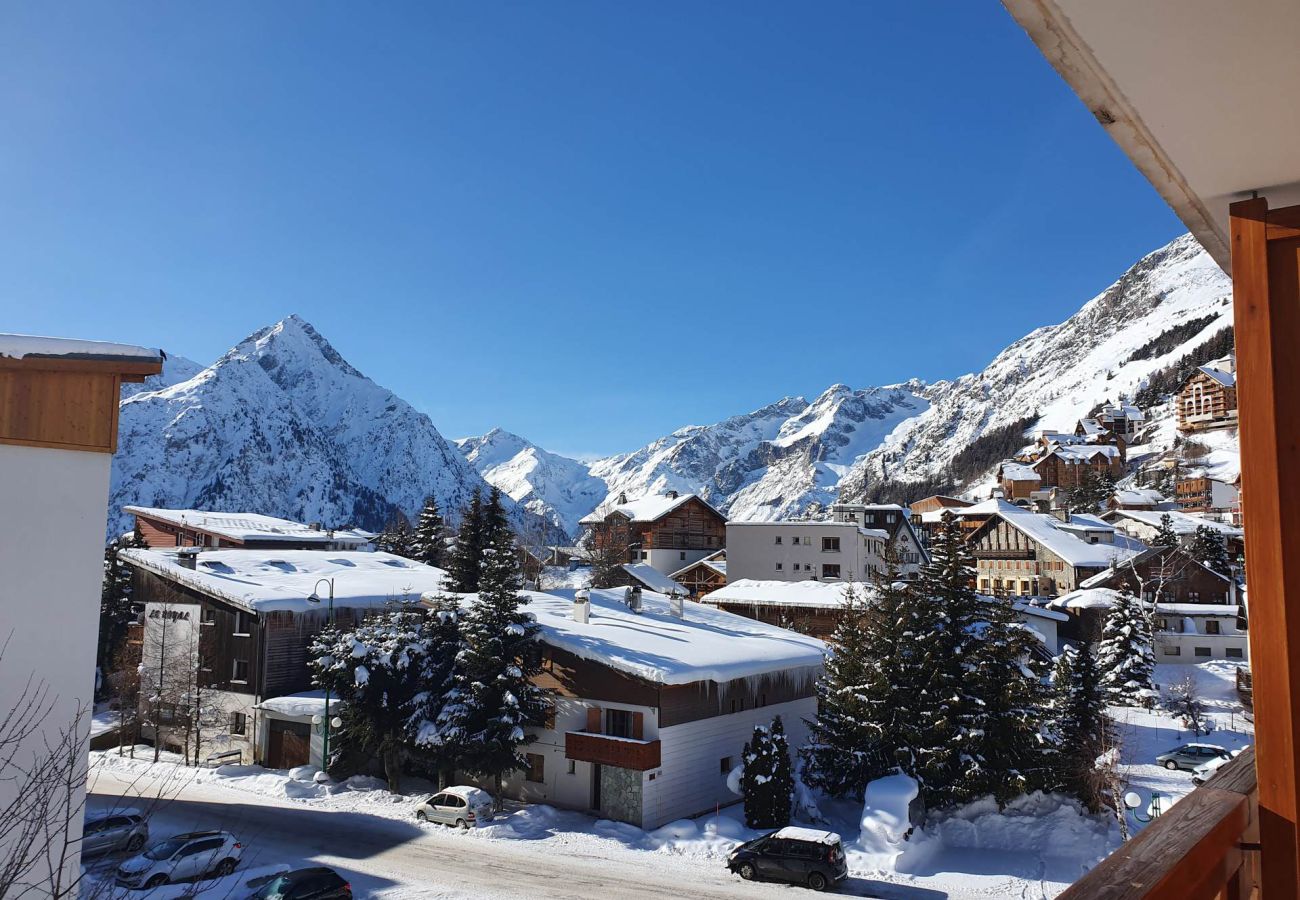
1206 846
607 750
1003 553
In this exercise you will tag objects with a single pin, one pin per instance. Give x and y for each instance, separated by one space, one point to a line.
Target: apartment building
804 551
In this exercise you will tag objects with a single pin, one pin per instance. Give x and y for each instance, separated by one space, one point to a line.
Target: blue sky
589 223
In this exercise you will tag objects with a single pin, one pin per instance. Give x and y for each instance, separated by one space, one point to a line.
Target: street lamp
325 721
1133 800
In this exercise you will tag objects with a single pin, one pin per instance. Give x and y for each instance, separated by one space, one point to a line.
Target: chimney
676 605
670 494
1062 513
622 498
582 606
188 557
315 526
633 597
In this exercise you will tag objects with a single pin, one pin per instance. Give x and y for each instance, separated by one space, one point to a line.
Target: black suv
319 883
799 855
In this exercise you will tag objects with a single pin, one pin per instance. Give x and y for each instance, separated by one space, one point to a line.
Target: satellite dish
1132 800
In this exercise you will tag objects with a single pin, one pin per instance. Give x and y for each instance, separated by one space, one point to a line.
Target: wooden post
1266 290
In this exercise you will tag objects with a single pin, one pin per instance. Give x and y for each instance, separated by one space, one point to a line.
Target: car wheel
156 881
225 867
747 871
136 842
421 815
1171 766
462 825
817 881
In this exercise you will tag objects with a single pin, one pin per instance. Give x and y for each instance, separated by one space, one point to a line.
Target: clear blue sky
589 223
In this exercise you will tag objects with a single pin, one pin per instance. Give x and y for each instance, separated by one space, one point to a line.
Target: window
1193 596
1162 624
1173 651
830 545
724 765
830 570
239 671
778 538
243 622
807 567
618 723
778 567
984 584
573 767
238 723
1234 653
1202 651
209 616
1212 626
536 768
890 517
795 540
682 556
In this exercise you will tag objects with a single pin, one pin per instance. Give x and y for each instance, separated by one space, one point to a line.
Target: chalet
652 708
666 531
1207 495
896 521
1208 398
235 625
1139 498
703 576
805 551
1143 525
937 503
1122 420
1068 466
813 608
58 433
1018 480
163 528
969 517
1038 554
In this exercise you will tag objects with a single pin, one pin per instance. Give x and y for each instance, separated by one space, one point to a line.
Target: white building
804 551
895 521
58 431
1144 524
653 708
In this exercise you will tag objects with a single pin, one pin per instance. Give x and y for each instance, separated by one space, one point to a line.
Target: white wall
52 514
752 551
1173 646
669 561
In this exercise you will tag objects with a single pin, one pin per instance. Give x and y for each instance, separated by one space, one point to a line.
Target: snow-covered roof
243 527
1181 521
1014 471
717 565
282 580
1077 454
305 704
22 346
706 644
1053 534
653 578
1230 610
1223 377
1102 577
1087 598
1139 497
757 592
644 509
983 508
1124 411
812 835
1091 426
1040 612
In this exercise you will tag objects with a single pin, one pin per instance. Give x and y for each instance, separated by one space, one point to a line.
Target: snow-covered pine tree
767 778
115 612
1126 654
493 699
1209 549
1082 729
437 680
1165 535
782 775
397 538
466 556
429 540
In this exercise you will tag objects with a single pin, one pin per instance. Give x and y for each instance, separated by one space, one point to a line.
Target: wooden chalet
1068 466
162 528
1204 494
1208 398
666 531
703 576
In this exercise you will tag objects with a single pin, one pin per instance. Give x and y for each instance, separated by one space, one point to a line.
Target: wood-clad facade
685 532
65 404
1008 561
1205 402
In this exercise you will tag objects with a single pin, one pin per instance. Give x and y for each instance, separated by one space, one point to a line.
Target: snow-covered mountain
557 488
175 370
283 425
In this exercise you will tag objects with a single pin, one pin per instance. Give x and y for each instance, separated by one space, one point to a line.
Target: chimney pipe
582 606
188 557
672 495
633 597
676 605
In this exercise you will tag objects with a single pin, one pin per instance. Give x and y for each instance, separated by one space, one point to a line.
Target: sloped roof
1227 379
1182 523
652 578
1048 531
1015 471
644 509
760 592
243 527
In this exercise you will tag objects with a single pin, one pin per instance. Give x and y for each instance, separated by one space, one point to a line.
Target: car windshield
274 888
164 849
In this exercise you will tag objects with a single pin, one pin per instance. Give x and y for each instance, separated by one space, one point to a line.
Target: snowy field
1033 848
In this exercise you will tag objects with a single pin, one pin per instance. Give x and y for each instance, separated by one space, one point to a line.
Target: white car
461 806
180 858
1202 773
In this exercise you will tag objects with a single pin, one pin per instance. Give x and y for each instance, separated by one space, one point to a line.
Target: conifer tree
429 540
493 699
397 538
466 557
1126 655
1209 549
767 779
1082 728
1165 535
115 610
437 682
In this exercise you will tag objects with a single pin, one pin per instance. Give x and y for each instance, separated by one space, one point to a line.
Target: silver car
197 854
461 806
1189 756
117 829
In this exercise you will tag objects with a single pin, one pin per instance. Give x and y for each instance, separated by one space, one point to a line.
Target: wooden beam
1266 291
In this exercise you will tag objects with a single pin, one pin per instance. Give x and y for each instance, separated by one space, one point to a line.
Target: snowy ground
1033 848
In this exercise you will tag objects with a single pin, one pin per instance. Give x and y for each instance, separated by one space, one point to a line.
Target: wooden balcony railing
1204 848
625 753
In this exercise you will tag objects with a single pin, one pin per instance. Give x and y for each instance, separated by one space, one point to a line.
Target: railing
1205 848
1004 553
606 750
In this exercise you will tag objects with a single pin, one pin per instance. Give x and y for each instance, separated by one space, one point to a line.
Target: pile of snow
21 346
886 819
758 592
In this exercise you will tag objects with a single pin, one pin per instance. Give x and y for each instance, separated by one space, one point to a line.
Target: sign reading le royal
171 615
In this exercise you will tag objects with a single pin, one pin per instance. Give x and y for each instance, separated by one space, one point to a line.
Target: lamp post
1133 800
329 622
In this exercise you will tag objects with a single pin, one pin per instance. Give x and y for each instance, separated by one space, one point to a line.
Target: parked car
115 829
461 806
196 854
320 883
799 855
1189 756
1205 771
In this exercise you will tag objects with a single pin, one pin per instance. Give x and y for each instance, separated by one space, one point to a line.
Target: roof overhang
1196 92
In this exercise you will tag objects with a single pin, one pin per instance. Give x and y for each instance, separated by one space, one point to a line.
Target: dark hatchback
320 883
797 855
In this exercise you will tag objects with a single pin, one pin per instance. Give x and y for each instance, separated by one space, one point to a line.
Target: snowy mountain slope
175 370
1061 372
557 488
283 425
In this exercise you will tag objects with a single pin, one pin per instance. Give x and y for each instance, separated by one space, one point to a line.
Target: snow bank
886 819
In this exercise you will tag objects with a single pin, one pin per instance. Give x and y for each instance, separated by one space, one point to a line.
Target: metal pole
325 721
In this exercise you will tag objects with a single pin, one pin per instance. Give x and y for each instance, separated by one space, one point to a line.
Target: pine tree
1165 535
767 779
1209 549
1082 728
493 699
397 538
466 557
115 609
429 540
1126 655
437 683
